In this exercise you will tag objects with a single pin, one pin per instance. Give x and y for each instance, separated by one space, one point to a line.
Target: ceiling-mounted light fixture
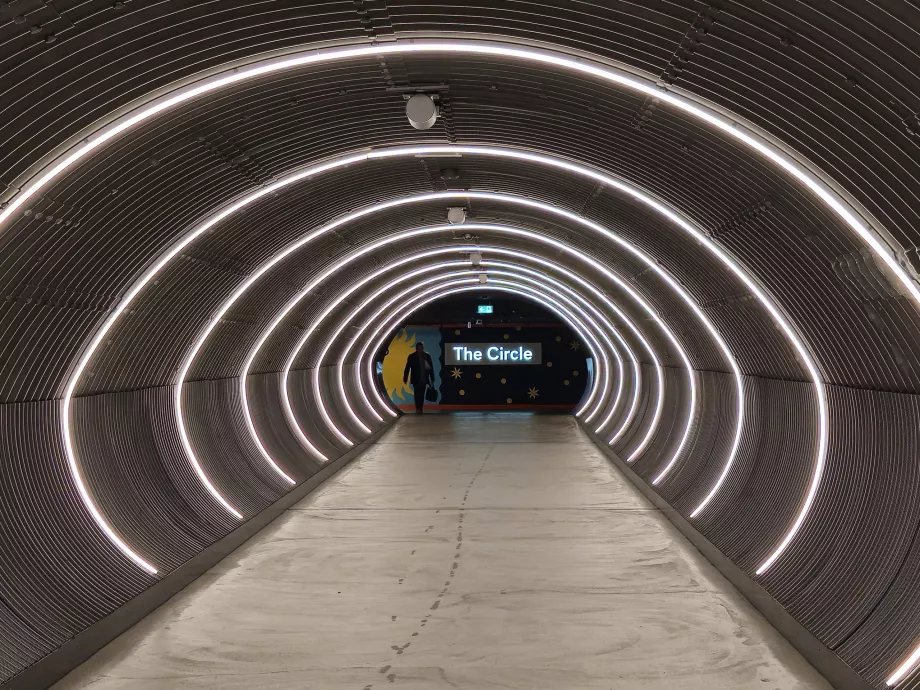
483 279
421 111
456 215
475 258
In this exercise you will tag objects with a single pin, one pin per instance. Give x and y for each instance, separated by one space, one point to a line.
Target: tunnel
218 218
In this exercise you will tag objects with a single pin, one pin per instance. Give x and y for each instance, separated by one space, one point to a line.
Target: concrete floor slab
464 551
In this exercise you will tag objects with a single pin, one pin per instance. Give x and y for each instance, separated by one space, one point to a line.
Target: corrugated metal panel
837 82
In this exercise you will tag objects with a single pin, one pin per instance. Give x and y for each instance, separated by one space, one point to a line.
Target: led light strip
344 323
558 60
520 256
514 271
420 300
906 667
243 288
500 229
383 291
614 278
399 302
773 310
411 295
634 405
433 150
389 286
317 392
312 285
406 294
375 208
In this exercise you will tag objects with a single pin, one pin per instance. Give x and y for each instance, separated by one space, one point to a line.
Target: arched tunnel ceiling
217 150
832 84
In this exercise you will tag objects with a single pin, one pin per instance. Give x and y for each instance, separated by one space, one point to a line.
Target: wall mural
394 364
556 379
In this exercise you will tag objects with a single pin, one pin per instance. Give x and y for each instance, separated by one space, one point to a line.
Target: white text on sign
492 353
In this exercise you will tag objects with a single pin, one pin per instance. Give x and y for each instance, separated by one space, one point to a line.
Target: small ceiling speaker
421 111
475 258
483 278
456 215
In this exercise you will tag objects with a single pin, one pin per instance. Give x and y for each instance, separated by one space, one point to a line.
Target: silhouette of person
420 371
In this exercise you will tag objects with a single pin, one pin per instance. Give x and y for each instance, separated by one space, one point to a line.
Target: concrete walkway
468 551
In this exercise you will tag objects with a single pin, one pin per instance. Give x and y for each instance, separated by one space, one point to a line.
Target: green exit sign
484 309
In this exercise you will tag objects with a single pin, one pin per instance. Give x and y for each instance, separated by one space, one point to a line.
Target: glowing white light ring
590 307
435 149
613 277
410 294
179 246
774 311
345 322
636 332
607 74
312 285
624 425
501 251
904 669
501 229
317 392
88 501
421 300
386 288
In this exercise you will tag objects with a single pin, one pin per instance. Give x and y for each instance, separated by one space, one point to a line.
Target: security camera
421 111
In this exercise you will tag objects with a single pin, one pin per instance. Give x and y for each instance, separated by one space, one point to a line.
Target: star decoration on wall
533 393
456 373
574 346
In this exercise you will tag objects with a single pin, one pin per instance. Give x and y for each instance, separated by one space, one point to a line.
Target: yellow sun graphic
394 363
533 393
456 373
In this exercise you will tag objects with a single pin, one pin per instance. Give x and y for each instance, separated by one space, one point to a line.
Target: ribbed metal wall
833 83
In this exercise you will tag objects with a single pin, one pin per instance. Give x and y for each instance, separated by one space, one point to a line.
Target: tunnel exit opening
513 356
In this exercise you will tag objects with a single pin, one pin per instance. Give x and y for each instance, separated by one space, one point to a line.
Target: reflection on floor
462 551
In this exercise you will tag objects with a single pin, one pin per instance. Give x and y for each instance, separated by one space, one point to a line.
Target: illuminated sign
484 309
492 353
